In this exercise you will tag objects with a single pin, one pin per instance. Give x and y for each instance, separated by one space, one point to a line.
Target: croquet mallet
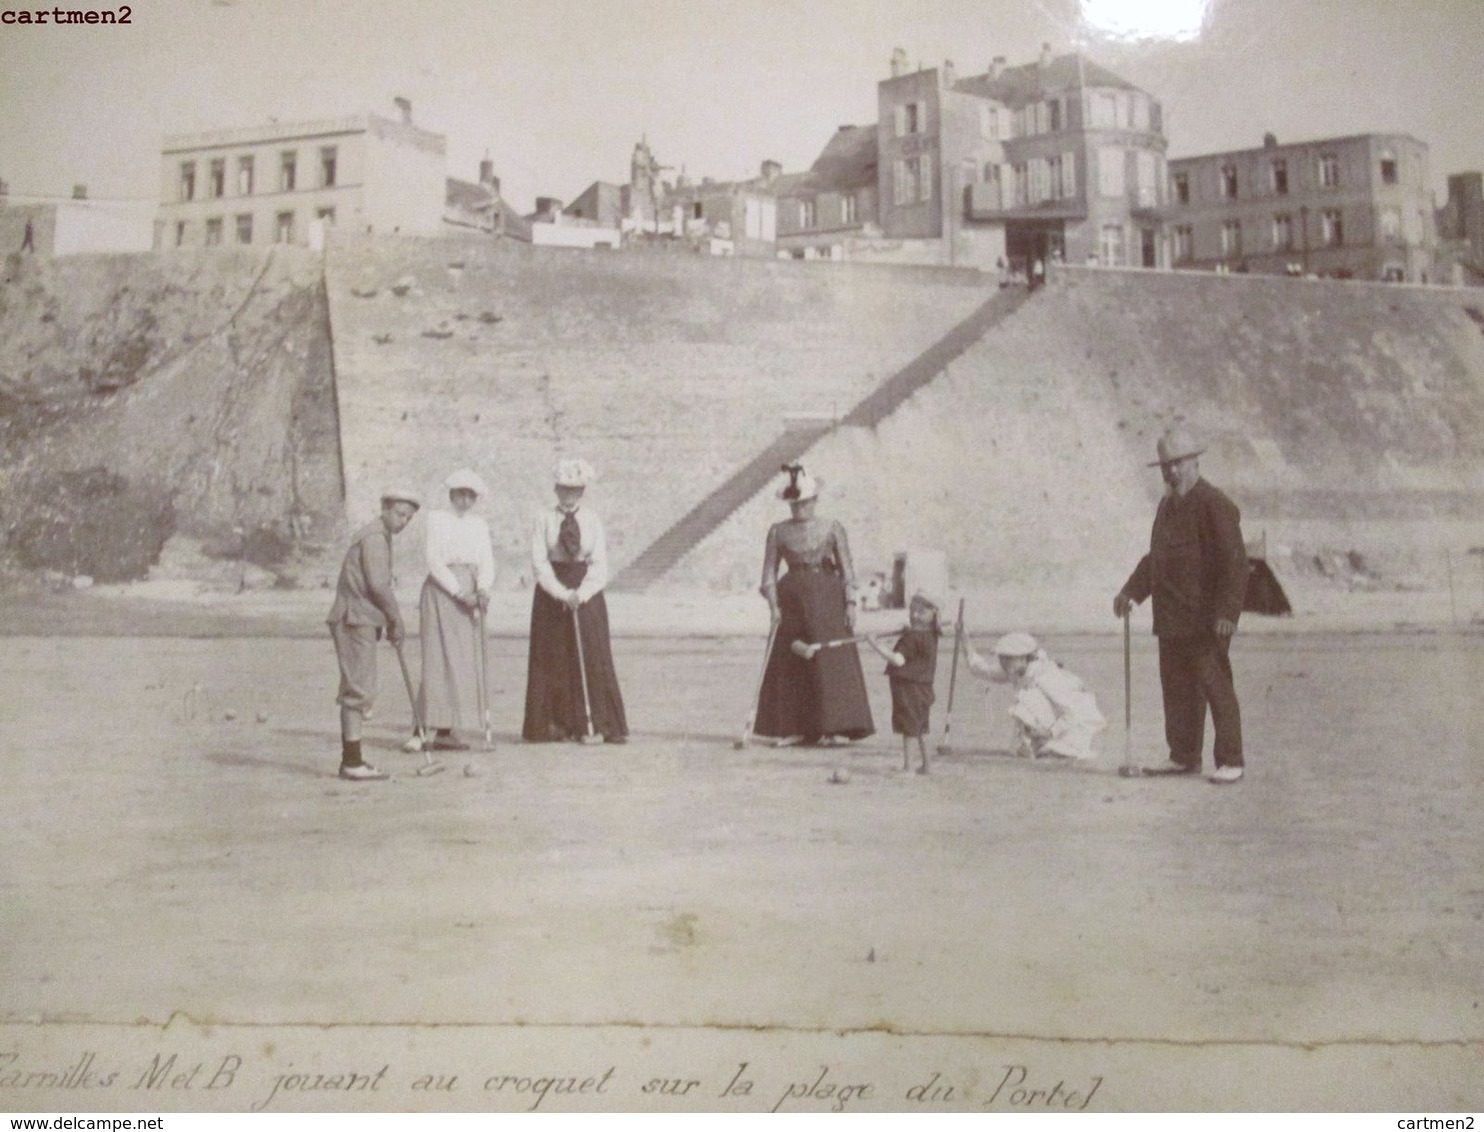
1128 770
958 631
860 637
430 764
587 704
757 696
481 669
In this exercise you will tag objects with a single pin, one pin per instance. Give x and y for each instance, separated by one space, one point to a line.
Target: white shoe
363 772
1224 775
414 745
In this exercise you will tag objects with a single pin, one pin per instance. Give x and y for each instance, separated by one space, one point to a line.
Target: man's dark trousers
1195 672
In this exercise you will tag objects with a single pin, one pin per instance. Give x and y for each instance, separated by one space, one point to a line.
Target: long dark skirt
819 697
554 708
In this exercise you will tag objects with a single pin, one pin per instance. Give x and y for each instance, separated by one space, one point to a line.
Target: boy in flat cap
1196 571
365 605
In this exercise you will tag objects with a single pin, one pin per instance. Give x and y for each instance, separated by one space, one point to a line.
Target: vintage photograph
770 556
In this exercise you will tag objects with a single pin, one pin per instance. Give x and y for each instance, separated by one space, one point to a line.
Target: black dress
825 695
912 683
554 706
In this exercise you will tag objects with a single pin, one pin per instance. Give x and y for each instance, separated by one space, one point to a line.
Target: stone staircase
658 558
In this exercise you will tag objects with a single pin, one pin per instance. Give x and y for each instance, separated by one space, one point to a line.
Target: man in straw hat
365 605
1196 571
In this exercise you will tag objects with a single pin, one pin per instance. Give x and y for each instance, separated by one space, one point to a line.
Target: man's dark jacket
1196 568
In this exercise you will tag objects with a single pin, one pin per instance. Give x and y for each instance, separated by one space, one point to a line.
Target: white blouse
459 540
545 548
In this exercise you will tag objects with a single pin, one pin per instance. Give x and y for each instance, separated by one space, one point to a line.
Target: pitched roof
848 160
467 195
1016 86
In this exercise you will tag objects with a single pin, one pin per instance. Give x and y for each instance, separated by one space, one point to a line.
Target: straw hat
401 495
466 479
573 473
801 485
1016 644
1176 444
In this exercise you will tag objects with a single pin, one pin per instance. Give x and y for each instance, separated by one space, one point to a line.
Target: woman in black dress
823 698
569 557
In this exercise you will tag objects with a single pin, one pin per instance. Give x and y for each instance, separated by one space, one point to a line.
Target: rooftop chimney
404 105
79 192
771 170
997 67
487 170
950 73
1270 140
1045 54
898 63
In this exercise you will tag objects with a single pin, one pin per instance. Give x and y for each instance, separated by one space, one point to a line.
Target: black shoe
1170 766
447 743
616 740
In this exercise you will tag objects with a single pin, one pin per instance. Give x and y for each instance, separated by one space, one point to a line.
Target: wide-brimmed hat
573 473
1175 444
466 479
1016 644
401 495
800 486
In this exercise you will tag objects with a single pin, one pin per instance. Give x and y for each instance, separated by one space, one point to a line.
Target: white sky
558 91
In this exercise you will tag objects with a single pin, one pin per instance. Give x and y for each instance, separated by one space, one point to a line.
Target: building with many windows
1352 208
1056 158
285 182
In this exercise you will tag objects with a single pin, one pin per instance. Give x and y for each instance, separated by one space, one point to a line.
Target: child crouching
1054 713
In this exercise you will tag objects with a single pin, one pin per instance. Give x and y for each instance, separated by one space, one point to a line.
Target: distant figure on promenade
1196 571
569 686
1038 273
455 597
28 241
824 698
365 605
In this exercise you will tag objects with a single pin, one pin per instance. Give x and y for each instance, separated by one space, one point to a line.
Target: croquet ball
840 776
262 717
229 715
471 771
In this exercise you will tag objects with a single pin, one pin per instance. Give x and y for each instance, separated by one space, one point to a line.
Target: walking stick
481 669
587 705
430 764
757 697
958 630
1127 770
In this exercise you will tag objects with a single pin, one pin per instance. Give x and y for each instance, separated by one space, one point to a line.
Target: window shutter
901 120
1069 173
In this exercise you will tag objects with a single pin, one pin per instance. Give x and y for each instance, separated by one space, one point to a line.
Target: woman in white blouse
569 558
461 572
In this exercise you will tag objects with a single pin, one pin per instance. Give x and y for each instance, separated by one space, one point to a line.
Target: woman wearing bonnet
823 698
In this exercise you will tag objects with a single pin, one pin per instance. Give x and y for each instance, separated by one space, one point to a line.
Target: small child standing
1054 713
910 666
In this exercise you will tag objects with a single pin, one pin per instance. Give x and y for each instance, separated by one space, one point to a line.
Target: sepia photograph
772 556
